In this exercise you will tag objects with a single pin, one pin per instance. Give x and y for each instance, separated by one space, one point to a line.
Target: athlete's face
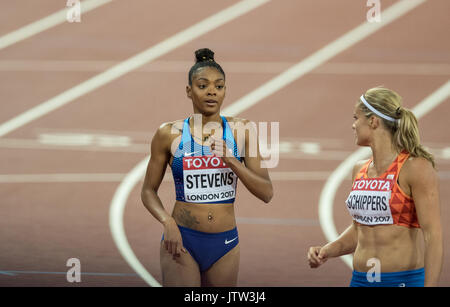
361 128
207 91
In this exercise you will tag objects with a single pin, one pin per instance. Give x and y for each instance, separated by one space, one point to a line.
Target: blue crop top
200 176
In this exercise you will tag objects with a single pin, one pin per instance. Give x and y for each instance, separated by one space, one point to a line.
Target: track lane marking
46 23
334 68
113 73
14 273
321 56
118 177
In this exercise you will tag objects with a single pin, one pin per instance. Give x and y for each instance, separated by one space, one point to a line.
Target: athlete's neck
210 124
209 118
383 156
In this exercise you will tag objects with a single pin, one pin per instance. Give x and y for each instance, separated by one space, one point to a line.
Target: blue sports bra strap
227 133
194 148
229 138
186 144
186 136
225 127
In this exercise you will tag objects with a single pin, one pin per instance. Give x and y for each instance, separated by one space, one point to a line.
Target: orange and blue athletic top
380 200
200 176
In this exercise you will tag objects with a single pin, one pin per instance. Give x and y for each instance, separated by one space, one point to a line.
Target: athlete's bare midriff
396 247
211 218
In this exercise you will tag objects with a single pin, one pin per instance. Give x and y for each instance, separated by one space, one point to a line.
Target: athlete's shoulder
418 166
418 162
419 174
170 128
167 132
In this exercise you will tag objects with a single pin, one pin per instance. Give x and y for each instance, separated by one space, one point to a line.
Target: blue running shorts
206 248
412 278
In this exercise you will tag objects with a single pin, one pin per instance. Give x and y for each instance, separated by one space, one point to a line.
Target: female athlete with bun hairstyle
394 201
200 245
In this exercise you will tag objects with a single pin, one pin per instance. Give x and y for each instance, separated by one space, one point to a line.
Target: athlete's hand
317 255
220 149
173 242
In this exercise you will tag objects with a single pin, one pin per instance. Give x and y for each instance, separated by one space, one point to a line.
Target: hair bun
204 55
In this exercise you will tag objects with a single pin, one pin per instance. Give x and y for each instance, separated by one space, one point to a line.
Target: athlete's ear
374 122
189 91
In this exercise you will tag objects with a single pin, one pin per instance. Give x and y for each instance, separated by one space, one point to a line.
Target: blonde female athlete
200 245
394 201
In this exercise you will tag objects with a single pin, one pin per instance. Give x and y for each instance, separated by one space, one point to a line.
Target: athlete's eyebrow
205 79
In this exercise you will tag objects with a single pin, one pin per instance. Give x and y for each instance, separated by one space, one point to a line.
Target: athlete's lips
211 102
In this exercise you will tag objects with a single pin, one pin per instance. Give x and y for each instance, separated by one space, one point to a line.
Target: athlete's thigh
224 272
182 271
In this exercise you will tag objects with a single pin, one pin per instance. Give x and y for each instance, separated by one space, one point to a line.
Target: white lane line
66 145
341 68
34 144
61 178
432 101
173 42
14 273
116 212
275 84
441 151
318 58
118 177
342 172
46 23
119 200
111 144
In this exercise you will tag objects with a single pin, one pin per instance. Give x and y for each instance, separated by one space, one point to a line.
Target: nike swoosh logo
228 242
187 154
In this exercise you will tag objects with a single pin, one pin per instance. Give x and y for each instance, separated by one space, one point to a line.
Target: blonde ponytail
406 137
405 130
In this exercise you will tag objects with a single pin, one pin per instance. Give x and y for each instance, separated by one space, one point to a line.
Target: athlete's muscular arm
156 169
345 244
424 184
255 178
159 158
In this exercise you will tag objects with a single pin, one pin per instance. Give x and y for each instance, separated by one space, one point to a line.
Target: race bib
368 202
208 179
